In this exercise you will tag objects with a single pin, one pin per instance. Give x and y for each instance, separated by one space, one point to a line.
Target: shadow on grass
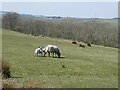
51 57
60 57
15 77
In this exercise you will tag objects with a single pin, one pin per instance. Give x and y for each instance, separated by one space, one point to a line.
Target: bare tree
10 20
100 32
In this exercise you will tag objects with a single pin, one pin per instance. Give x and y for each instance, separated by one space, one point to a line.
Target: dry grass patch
5 69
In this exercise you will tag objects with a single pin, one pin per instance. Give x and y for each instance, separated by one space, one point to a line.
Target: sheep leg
52 54
48 54
44 54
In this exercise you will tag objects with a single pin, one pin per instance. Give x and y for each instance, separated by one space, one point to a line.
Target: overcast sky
70 9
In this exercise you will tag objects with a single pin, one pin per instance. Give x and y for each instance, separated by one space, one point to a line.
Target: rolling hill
89 67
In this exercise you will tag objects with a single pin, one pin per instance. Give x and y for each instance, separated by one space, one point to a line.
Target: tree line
93 31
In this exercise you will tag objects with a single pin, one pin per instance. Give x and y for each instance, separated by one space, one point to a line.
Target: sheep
38 52
51 49
82 45
74 42
88 44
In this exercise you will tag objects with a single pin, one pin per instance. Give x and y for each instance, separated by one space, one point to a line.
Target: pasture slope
90 67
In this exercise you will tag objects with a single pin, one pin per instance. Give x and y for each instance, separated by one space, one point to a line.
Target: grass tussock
8 84
5 69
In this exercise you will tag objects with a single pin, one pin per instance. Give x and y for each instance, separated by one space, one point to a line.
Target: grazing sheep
82 45
38 52
88 44
51 49
74 42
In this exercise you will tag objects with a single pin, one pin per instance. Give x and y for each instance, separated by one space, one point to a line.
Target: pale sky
59 0
67 9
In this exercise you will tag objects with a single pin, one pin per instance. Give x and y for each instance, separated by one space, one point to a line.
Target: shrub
5 69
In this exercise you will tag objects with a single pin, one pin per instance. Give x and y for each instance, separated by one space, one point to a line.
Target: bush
5 69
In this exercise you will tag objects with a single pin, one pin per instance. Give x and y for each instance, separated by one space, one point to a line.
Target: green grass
95 67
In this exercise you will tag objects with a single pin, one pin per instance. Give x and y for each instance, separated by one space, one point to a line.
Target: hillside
90 67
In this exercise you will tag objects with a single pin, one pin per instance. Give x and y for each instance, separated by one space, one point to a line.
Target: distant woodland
95 31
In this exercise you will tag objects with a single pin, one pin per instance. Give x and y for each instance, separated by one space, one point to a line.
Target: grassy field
90 67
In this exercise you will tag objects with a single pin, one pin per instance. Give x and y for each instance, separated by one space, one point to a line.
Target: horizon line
61 16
